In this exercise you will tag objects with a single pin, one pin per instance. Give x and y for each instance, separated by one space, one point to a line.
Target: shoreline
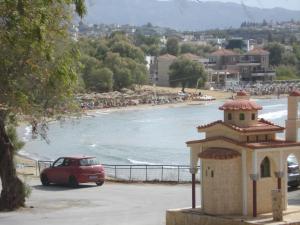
24 163
90 112
218 95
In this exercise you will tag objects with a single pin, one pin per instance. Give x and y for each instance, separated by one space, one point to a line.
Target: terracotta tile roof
217 138
190 56
272 144
258 51
249 145
219 153
240 104
223 52
167 56
295 93
261 126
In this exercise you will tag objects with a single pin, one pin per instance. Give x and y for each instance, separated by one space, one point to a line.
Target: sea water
144 136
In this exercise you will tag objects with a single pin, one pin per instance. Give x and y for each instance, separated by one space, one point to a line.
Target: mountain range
181 14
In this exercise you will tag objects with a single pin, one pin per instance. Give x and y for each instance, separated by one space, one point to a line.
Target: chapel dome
241 93
240 104
295 93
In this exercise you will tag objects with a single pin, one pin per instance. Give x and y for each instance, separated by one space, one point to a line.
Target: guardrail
169 173
175 173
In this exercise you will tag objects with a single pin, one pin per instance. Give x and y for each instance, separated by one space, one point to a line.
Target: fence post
178 173
115 171
162 173
36 168
146 173
39 166
130 173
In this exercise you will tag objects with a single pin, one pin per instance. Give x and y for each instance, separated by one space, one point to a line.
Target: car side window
67 162
58 162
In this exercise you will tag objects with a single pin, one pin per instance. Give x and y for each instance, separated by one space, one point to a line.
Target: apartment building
229 68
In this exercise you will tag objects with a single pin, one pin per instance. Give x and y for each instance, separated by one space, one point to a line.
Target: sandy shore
218 95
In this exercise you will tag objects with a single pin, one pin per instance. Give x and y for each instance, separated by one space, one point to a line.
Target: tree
296 51
38 76
119 55
95 76
100 80
236 44
187 73
276 52
188 48
173 46
125 49
286 73
122 74
264 23
270 37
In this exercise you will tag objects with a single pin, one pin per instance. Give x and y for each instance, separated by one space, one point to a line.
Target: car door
54 174
66 170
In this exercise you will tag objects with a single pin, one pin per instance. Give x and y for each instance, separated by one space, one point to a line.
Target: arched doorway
293 173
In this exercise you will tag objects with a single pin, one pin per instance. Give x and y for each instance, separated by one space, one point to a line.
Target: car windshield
89 162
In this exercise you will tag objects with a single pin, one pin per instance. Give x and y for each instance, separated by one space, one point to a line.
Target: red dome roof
241 93
240 104
295 93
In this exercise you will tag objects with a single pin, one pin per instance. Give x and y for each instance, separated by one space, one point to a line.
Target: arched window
229 116
265 168
242 116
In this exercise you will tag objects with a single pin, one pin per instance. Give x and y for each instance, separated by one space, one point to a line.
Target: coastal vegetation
38 66
285 60
186 73
111 63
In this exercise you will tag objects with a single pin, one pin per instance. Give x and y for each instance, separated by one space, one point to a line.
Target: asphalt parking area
110 204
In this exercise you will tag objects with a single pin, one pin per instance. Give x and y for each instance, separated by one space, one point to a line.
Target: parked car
74 170
293 171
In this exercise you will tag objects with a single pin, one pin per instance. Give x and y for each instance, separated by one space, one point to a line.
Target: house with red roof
230 67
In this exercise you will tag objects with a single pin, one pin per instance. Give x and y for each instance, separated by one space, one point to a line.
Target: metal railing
165 173
174 173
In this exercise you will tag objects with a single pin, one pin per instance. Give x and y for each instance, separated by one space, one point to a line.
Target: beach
25 165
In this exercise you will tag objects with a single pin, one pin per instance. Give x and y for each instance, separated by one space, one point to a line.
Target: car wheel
100 183
73 182
45 180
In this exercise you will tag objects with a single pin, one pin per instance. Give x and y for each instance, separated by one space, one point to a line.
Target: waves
273 115
136 162
275 106
27 133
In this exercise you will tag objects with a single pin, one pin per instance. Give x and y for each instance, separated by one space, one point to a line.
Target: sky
288 4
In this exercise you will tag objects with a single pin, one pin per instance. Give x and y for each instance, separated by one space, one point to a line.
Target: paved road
111 204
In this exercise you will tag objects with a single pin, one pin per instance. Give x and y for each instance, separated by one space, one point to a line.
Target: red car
74 170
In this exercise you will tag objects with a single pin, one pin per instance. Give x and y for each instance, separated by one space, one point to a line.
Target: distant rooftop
167 56
258 51
190 56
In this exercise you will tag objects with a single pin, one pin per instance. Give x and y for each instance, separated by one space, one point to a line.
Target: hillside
181 14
